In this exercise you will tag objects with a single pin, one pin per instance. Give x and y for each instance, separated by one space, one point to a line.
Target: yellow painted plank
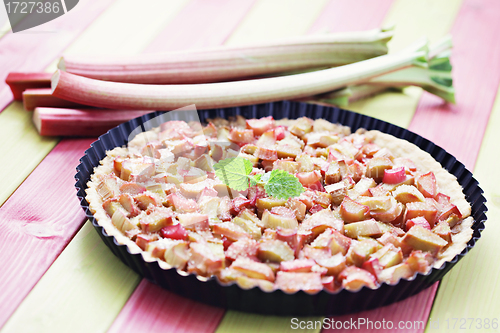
270 20
21 148
413 19
274 19
475 279
241 322
83 290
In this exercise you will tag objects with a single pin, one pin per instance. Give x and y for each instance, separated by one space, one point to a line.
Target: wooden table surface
56 275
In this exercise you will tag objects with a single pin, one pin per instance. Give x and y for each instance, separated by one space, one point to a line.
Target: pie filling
370 208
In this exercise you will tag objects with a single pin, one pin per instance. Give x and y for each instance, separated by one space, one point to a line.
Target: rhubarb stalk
115 95
79 122
19 82
229 63
33 98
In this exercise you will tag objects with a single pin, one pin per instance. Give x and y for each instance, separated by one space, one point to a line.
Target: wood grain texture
475 277
434 18
153 309
106 282
47 45
412 20
459 128
34 228
62 309
198 25
21 150
37 222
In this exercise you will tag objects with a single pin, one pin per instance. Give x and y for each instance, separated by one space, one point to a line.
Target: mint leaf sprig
235 173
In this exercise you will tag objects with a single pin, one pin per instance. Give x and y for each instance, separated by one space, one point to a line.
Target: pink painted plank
153 309
412 313
37 222
353 15
44 47
201 23
476 72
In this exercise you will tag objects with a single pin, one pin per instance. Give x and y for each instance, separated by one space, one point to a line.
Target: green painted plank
413 19
475 278
21 148
82 291
241 322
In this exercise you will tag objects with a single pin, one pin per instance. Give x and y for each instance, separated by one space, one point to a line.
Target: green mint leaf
255 179
283 185
234 172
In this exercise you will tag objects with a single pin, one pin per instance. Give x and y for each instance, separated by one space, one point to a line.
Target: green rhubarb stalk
229 63
436 79
117 95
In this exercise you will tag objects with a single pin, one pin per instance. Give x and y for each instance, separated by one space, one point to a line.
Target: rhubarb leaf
283 185
234 172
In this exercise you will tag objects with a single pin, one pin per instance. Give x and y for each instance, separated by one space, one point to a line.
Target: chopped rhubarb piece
108 188
362 187
129 204
322 198
337 191
354 278
111 206
137 171
142 241
132 188
420 220
375 167
297 265
376 204
144 200
175 231
373 266
427 185
419 238
328 283
241 137
378 191
301 127
181 204
267 140
360 251
249 226
244 247
406 163
340 243
297 207
425 209
322 220
274 220
259 126
315 208
279 133
289 166
156 219
275 251
177 254
286 151
253 269
393 274
268 154
368 228
351 211
394 176
389 238
194 221
408 193
202 260
121 221
443 230
332 173
292 282
315 254
232 231
446 208
195 175
420 261
238 204
393 215
334 264
248 283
